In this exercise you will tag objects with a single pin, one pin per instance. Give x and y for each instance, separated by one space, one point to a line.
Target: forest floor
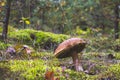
99 61
94 64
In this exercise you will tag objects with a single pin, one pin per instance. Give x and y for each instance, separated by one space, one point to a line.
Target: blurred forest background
43 24
77 17
61 16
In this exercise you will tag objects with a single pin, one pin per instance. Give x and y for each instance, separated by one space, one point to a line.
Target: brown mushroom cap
66 48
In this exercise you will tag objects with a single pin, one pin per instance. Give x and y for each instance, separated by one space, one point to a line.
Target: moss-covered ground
100 61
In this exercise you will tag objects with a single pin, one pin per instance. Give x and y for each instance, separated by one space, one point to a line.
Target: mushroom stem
76 62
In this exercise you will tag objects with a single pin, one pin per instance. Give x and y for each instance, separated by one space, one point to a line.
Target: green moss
76 75
47 39
117 56
111 73
115 71
20 35
43 39
3 45
0 29
35 69
29 69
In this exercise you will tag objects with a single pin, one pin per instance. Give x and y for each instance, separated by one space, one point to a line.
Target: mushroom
71 48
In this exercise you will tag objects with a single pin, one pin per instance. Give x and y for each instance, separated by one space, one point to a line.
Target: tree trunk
116 27
6 20
43 16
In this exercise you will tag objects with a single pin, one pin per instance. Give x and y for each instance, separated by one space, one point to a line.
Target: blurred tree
111 12
116 27
6 20
2 4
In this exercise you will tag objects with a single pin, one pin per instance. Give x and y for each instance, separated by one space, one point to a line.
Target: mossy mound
42 39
